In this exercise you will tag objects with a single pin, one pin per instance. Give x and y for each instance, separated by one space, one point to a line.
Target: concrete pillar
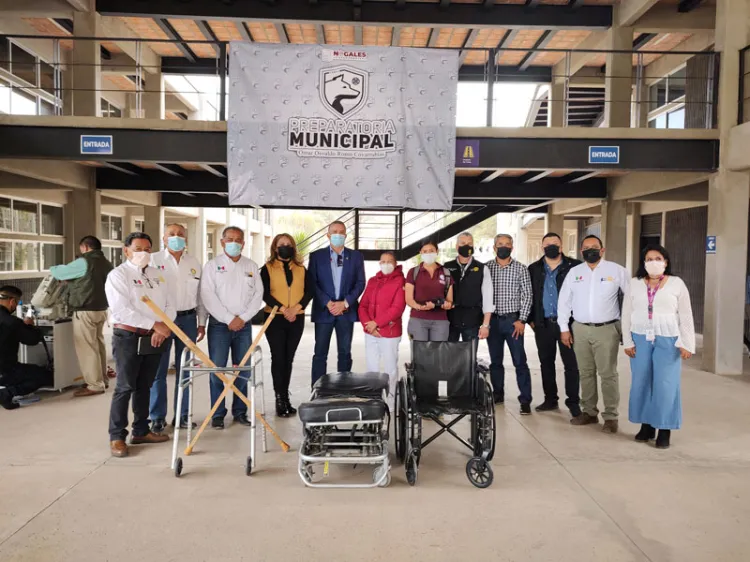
153 224
554 223
86 69
728 195
633 237
85 216
153 97
259 249
618 83
128 223
614 230
197 238
556 105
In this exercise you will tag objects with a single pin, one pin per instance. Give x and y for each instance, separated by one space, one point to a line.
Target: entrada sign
604 154
97 144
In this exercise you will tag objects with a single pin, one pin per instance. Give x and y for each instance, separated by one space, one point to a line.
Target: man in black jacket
547 276
18 379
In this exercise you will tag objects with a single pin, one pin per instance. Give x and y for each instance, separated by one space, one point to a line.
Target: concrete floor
560 493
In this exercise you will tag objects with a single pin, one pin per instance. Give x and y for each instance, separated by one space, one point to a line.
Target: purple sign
467 153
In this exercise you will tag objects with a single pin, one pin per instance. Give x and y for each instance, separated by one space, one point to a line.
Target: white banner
317 126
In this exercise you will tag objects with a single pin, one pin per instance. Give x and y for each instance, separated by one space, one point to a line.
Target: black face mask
591 255
285 252
552 251
466 251
503 253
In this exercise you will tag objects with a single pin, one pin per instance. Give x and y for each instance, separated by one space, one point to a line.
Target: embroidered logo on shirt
475 269
161 279
249 273
193 272
161 267
578 279
607 279
137 282
221 269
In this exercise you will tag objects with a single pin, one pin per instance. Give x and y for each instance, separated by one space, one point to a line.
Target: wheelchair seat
363 385
344 409
452 406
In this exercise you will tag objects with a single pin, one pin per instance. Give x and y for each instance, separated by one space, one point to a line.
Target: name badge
650 334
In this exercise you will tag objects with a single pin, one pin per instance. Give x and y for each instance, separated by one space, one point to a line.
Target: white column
153 224
618 83
614 230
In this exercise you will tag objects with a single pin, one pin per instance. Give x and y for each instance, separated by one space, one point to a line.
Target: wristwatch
484 326
346 304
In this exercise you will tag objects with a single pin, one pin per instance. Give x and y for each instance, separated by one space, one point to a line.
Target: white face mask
387 268
140 259
430 258
655 268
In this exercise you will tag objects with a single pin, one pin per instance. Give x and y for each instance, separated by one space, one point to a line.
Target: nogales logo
343 54
469 152
343 91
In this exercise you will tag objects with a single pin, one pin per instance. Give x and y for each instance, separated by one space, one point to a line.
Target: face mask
285 252
655 268
503 253
430 258
337 240
233 249
176 243
140 259
592 255
387 268
552 251
466 251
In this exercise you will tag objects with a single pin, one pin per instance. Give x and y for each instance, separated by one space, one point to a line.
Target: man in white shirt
134 321
591 295
183 274
232 292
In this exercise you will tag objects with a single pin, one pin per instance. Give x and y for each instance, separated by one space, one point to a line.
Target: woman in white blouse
658 332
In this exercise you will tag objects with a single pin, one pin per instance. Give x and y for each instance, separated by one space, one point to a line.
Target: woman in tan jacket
286 285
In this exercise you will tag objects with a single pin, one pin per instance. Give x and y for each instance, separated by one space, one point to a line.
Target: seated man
18 379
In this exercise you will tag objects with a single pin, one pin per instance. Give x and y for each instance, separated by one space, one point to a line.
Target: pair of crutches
228 381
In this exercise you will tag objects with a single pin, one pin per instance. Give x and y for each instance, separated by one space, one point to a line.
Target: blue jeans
501 332
220 341
323 333
158 403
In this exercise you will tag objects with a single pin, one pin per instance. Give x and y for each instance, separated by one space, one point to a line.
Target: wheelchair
345 422
444 378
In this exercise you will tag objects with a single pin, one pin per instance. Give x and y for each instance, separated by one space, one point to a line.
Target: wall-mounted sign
467 153
710 244
604 155
97 144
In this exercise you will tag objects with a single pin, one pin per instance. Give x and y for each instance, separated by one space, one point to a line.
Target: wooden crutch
229 384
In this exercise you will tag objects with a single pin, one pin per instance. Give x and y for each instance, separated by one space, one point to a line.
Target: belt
599 324
133 329
552 319
509 315
185 312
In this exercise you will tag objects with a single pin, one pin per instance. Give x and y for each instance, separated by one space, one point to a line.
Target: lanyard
651 294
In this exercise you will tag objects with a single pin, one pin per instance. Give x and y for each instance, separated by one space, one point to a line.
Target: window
52 220
6 215
658 94
6 256
668 90
46 108
676 85
52 254
47 77
23 64
25 256
4 53
669 120
25 216
209 246
267 217
22 103
110 110
140 225
111 227
256 214
113 254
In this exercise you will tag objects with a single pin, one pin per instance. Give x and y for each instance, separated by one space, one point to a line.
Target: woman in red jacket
380 311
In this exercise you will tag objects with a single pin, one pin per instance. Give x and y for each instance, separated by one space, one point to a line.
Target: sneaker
646 434
525 409
217 423
584 419
662 441
242 420
158 426
610 426
184 424
547 406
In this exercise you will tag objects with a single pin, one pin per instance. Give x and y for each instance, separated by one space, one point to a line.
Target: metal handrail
741 93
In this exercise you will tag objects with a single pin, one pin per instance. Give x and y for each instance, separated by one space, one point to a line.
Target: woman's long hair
275 244
642 273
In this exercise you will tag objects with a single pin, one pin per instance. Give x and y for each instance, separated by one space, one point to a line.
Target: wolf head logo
343 90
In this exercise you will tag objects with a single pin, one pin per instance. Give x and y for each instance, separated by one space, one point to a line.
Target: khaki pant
88 333
596 351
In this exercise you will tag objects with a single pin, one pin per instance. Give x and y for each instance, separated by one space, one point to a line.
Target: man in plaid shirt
512 294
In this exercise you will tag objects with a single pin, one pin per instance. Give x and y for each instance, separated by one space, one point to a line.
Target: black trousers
135 375
548 342
458 333
23 379
283 338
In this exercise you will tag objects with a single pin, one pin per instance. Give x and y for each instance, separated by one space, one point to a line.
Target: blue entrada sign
97 144
710 244
604 155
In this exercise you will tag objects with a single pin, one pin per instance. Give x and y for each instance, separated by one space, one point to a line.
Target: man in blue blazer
338 278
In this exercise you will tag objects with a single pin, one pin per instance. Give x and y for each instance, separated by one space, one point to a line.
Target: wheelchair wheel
488 435
412 468
479 472
248 466
401 415
178 467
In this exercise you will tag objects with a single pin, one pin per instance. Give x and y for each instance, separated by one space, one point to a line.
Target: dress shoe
584 419
118 448
547 406
87 392
525 409
158 426
646 434
610 426
217 423
498 398
290 410
150 437
662 441
242 420
280 406
6 400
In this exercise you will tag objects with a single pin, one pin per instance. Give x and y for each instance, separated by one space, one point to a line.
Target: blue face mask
176 243
337 240
233 249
